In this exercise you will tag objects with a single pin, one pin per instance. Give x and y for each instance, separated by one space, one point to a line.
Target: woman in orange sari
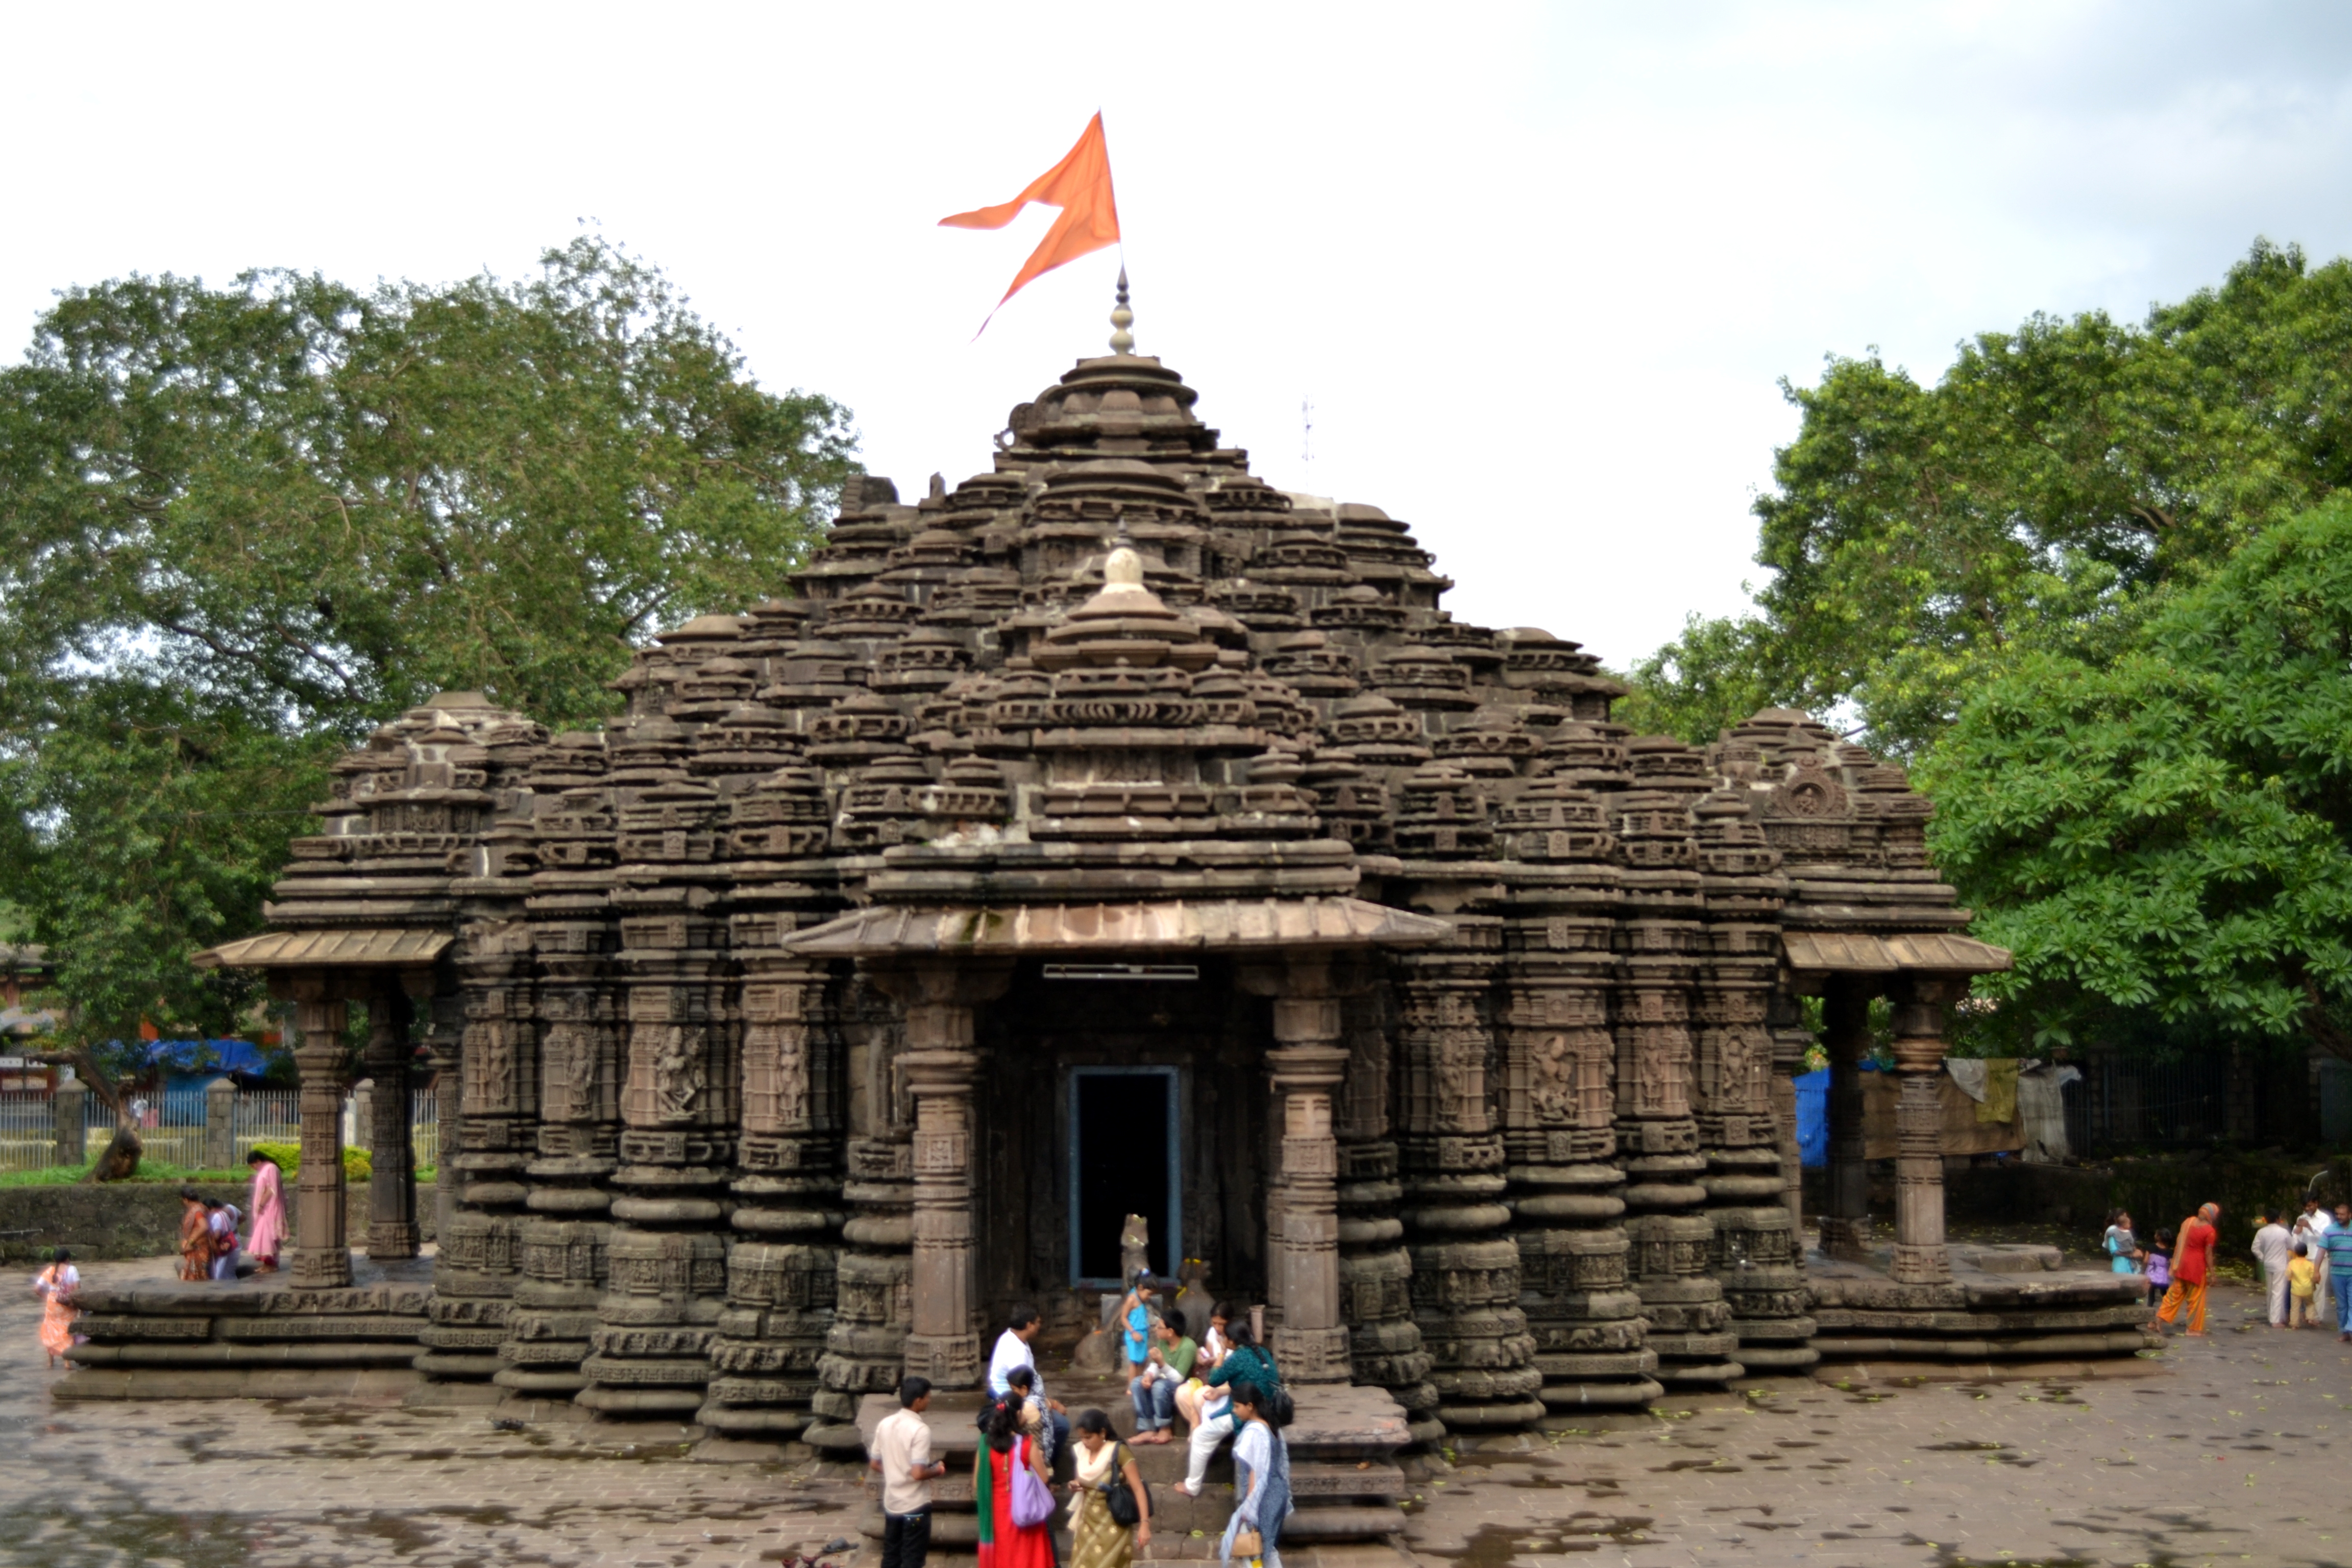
56 1286
195 1237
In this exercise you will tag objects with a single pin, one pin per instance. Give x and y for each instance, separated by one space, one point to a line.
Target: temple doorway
1125 1157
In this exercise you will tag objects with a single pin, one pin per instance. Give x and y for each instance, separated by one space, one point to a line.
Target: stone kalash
1113 833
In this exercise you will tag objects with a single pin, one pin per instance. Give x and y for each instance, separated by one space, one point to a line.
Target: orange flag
1080 186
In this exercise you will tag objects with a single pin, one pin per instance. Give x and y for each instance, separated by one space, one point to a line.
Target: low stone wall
135 1219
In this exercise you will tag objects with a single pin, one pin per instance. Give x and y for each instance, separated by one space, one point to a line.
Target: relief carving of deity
1550 1080
678 1072
792 1083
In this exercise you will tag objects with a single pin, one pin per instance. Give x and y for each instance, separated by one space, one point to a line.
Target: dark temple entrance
1123 1160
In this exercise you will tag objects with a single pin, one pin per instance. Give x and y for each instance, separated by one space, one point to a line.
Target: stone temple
1114 833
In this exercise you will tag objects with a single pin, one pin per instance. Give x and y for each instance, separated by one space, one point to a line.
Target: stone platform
258 1338
2002 1303
1344 1475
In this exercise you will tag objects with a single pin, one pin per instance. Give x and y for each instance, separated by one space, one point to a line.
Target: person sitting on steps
1246 1361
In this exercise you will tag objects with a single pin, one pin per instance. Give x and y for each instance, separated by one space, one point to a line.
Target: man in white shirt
1012 1350
902 1454
2274 1247
2311 1228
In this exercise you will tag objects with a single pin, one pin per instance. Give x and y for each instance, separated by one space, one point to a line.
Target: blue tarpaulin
211 1058
1813 1116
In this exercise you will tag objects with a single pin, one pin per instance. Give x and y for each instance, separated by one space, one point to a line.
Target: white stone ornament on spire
1122 341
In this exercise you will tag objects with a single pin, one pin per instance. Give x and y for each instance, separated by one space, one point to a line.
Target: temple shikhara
1113 833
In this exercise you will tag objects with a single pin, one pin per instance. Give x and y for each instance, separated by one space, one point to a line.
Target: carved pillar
864 1348
1465 1265
665 1260
1845 1224
321 1254
1375 1270
1304 1070
940 1066
1569 1207
1657 1135
781 1287
392 1155
1920 1255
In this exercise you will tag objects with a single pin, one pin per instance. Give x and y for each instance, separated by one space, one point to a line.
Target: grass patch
150 1172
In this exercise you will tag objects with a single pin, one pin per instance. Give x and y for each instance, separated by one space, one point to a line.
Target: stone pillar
1569 1205
1845 1223
1920 1255
1466 1265
220 1124
391 1154
1658 1140
321 1258
940 1066
68 1112
866 1343
1375 1269
781 1287
1303 1070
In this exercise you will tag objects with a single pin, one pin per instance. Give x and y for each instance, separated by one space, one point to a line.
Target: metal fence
266 1116
28 1131
424 1128
174 1128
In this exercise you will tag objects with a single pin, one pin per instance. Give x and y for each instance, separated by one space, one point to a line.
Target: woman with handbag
1112 1508
1261 1480
1012 1496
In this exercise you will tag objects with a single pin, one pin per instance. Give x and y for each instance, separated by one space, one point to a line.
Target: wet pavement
2229 1456
220 1484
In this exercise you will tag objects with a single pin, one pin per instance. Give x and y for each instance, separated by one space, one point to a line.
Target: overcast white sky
1537 268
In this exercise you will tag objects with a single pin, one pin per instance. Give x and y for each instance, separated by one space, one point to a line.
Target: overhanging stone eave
1914 952
329 948
1156 926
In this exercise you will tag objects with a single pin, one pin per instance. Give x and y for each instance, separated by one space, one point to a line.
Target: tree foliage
2170 830
240 526
2042 496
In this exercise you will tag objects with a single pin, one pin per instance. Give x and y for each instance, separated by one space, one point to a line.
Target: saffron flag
1080 186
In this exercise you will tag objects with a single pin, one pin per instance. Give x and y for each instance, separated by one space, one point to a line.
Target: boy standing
2301 1279
902 1452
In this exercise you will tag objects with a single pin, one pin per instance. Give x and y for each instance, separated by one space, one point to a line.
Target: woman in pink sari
269 1211
57 1286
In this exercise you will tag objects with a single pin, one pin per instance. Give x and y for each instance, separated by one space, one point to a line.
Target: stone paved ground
2232 1456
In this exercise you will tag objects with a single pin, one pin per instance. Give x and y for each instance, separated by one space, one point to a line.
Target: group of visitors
208 1243
1224 1386
2305 1265
208 1247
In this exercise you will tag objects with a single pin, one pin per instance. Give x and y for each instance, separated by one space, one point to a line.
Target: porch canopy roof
337 948
1179 925
1916 953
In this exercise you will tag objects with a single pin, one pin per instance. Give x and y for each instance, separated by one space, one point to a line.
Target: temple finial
1122 341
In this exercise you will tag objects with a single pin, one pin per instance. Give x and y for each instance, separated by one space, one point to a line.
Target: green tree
2045 494
241 526
2168 833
